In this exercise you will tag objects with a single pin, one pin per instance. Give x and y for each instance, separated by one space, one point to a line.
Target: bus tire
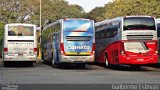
81 65
107 64
33 64
5 64
135 66
53 60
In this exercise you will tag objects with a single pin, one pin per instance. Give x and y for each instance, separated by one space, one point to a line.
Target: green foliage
53 10
24 11
1 35
18 11
126 7
133 7
97 14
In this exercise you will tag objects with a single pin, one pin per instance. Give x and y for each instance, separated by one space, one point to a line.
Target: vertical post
40 19
40 22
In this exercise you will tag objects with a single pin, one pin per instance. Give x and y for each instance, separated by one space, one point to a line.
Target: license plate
140 59
20 54
78 59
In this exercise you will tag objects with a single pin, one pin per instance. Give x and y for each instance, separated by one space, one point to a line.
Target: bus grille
139 37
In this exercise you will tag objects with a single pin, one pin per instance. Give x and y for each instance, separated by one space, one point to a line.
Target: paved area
44 73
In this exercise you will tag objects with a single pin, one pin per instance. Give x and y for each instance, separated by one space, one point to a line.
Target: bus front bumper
75 59
140 60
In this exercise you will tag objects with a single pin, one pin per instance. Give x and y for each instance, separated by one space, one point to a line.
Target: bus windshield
78 26
20 30
139 23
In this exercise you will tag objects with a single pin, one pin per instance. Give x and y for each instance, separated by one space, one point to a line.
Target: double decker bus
19 43
129 40
70 40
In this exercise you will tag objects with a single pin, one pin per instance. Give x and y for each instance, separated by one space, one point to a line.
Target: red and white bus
129 40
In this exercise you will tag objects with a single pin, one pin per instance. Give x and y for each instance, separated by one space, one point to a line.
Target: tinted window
78 25
139 23
107 33
20 31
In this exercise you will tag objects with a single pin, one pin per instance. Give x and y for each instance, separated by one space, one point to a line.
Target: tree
119 8
12 11
132 7
53 10
16 11
97 14
1 35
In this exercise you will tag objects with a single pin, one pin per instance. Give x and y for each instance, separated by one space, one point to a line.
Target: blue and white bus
71 40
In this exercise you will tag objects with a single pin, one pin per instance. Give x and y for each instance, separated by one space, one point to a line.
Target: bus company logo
78 47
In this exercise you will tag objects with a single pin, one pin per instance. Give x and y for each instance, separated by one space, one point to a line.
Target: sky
88 5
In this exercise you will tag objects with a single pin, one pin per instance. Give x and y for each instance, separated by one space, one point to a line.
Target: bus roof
60 20
138 16
117 19
25 24
75 19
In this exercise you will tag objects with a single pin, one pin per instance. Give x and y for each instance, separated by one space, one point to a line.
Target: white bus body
20 42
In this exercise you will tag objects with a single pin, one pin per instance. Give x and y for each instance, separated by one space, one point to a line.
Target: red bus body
125 47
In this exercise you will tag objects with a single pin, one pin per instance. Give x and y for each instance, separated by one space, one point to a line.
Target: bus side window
98 35
103 34
115 31
107 33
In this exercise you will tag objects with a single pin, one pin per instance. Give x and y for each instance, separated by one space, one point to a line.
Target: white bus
70 41
130 40
20 43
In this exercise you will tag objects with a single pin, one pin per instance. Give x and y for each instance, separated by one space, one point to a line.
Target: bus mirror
38 28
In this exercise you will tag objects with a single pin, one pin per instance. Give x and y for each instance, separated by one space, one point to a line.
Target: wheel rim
106 61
